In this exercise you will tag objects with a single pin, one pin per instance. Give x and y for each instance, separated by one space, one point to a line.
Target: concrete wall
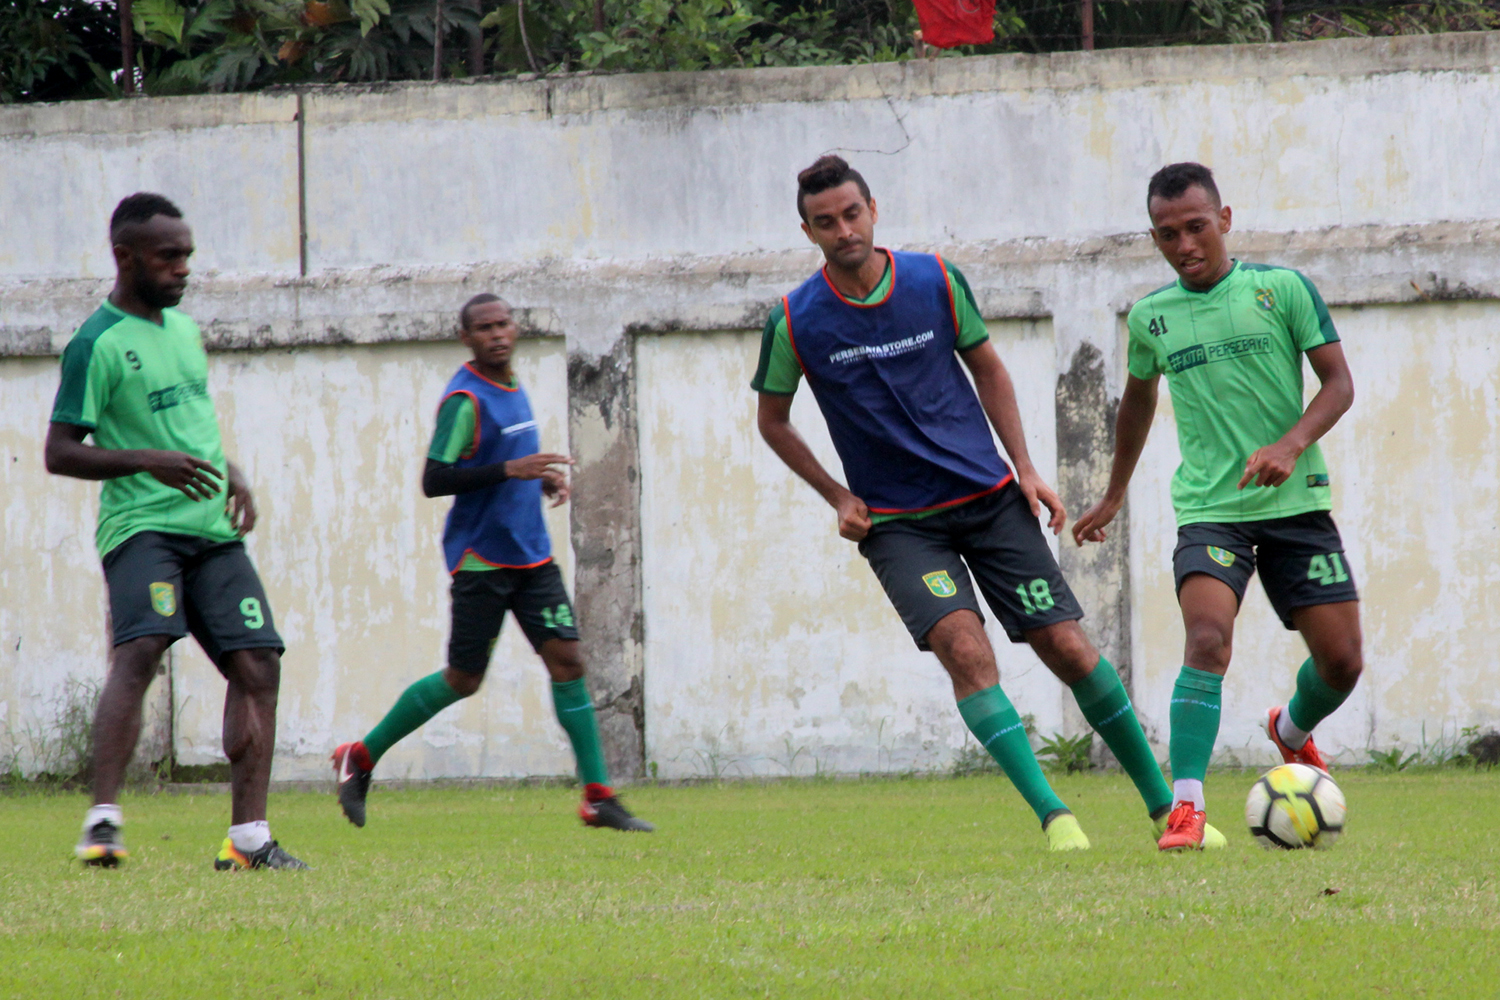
646 224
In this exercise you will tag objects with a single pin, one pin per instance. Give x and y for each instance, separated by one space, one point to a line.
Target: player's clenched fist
854 518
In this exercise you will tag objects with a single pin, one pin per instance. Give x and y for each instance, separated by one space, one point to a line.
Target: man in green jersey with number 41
1252 488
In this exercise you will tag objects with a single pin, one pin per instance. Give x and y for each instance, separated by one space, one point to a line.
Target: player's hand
197 479
1038 494
854 517
1271 465
1090 527
536 466
555 485
239 504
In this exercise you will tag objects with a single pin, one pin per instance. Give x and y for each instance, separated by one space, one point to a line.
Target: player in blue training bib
883 338
486 455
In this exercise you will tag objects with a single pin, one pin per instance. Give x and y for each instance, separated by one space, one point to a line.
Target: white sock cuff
1188 790
1288 731
106 811
250 836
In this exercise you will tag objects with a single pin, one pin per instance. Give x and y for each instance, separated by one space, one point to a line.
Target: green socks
993 720
1314 700
430 695
418 703
1106 706
1195 723
576 713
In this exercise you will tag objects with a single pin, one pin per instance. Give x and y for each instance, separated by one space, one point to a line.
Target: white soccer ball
1294 806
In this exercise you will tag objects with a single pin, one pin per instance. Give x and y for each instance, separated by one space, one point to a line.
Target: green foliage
55 750
1069 754
1464 748
54 49
43 54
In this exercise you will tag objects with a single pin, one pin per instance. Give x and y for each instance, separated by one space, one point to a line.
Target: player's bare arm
1132 426
66 454
239 502
997 394
1274 464
773 416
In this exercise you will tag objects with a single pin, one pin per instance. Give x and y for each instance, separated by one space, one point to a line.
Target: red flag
946 23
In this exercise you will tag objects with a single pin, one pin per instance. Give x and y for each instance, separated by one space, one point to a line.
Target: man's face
842 224
491 333
1189 231
153 259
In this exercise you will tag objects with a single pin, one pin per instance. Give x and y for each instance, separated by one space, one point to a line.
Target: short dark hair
827 172
481 299
137 208
1173 180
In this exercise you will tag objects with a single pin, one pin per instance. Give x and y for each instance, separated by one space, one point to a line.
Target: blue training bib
907 424
502 524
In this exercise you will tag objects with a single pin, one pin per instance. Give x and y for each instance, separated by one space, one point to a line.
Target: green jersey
138 385
1232 356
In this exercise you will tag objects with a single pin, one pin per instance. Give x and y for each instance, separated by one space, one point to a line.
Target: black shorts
536 596
1301 559
924 566
169 584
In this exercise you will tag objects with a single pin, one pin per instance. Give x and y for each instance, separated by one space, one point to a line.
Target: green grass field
927 887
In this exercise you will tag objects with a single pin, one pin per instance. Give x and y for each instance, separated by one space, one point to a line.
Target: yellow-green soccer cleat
1213 840
269 856
1064 834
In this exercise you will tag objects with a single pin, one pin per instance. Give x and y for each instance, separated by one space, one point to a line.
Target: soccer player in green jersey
486 454
171 516
883 339
1252 489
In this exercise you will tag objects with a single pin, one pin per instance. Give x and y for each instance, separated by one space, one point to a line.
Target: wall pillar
606 534
1086 406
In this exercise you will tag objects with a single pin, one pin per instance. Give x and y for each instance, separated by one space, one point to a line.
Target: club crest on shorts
1221 556
164 599
940 583
1266 298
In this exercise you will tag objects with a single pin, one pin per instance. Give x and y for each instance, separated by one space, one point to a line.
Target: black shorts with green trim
535 596
1301 559
161 583
925 566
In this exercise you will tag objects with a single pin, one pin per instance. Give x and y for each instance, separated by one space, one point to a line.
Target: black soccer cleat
352 763
609 813
270 855
102 845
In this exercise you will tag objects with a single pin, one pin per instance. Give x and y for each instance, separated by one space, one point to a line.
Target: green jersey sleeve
88 377
971 329
454 437
1140 352
1305 313
778 372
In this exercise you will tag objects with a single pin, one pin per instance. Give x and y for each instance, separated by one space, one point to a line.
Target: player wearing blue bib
879 336
486 455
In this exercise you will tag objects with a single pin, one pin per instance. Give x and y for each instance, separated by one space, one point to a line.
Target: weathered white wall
730 625
334 442
770 647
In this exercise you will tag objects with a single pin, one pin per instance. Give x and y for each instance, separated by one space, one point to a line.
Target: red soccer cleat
1184 829
1308 755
